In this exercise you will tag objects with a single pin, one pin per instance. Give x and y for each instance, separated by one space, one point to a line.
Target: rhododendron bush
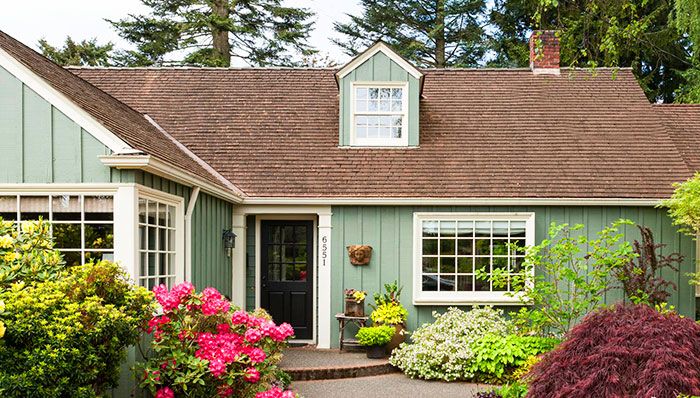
202 347
625 351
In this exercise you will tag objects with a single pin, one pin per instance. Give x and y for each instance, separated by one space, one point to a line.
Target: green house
257 180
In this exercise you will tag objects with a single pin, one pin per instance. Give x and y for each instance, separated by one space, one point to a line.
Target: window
379 115
82 226
157 243
450 247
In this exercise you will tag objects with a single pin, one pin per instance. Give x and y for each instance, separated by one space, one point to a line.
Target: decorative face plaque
359 254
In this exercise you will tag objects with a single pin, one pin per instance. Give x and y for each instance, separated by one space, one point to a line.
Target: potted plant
389 311
355 302
375 338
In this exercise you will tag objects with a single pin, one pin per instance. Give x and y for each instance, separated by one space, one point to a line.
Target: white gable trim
370 52
63 104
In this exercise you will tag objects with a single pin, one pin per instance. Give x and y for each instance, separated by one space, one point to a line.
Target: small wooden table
343 322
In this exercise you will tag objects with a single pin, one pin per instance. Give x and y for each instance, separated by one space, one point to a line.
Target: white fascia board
378 47
155 166
64 104
369 201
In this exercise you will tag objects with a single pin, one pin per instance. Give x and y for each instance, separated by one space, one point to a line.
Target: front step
304 364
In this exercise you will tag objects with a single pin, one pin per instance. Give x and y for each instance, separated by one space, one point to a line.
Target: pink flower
251 375
255 354
275 392
217 367
253 335
213 302
225 391
165 392
239 317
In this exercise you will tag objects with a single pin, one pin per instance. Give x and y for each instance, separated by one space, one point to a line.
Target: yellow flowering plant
28 255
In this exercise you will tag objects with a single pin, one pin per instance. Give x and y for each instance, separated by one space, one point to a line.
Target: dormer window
379 115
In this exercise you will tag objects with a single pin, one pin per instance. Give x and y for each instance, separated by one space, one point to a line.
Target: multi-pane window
82 226
379 115
454 249
157 243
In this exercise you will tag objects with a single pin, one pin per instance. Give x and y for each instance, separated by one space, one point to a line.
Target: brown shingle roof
126 123
483 133
683 123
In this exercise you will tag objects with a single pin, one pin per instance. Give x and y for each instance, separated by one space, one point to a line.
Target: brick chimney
544 52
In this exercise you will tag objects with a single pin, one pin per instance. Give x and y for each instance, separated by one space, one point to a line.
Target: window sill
481 298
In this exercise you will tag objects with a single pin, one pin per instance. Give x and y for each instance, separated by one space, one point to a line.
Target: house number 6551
324 250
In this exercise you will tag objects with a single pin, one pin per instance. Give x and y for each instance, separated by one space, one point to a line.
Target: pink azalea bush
203 347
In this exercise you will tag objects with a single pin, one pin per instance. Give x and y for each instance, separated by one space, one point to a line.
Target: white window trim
462 298
179 204
380 142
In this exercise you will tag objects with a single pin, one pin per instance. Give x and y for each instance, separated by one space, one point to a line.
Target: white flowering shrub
441 350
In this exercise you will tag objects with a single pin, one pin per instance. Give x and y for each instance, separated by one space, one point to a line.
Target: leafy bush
496 357
443 349
575 274
67 337
374 335
641 276
625 351
392 294
389 313
28 255
203 348
511 390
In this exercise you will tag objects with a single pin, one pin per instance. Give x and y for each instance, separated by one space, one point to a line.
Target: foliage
259 32
511 390
429 33
83 53
357 295
687 20
374 335
627 350
67 337
641 276
521 373
389 314
496 357
684 205
392 294
203 348
27 255
573 275
442 350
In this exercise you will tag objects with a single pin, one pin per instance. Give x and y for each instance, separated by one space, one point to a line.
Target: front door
286 282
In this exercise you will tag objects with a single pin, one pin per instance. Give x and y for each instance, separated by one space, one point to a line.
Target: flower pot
376 352
399 337
353 308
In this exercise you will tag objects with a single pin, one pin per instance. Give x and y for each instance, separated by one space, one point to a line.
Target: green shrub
389 313
67 337
496 357
375 335
442 350
28 255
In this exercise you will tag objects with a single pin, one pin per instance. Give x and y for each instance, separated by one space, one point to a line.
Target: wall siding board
37 139
11 127
392 241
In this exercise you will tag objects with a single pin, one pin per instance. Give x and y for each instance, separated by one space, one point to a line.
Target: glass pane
500 247
517 264
482 263
465 283
8 208
66 208
288 234
162 214
171 240
396 106
465 228
500 229
465 265
447 283
274 272
481 285
361 132
152 213
300 234
518 243
94 257
142 237
430 265
72 258
33 207
374 93
162 264
430 228
361 105
361 92
152 238
291 273
151 264
447 247
67 236
396 132
483 229
447 228
482 246
99 208
143 211
517 229
288 253
384 105
162 239
447 265
500 263
465 247
99 236
273 254
301 255
171 217
171 264
396 93
429 283
372 106
144 265
430 246
276 234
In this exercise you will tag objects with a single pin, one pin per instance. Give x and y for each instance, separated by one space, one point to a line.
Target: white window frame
179 204
462 298
380 142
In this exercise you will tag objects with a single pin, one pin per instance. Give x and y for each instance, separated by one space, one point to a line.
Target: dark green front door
286 280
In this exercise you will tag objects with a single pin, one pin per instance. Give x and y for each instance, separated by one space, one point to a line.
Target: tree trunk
440 34
222 47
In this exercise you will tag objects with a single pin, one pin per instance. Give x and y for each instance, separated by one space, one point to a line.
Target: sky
29 21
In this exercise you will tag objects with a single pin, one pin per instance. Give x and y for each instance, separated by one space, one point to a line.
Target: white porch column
324 279
239 261
126 245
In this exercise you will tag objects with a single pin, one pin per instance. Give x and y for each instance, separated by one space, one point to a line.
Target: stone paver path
390 385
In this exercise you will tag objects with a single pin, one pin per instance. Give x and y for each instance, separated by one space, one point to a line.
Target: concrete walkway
390 385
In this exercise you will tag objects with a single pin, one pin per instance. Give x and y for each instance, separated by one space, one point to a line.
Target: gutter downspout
188 232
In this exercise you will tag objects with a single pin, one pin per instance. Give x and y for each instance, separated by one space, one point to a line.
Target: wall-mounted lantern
229 240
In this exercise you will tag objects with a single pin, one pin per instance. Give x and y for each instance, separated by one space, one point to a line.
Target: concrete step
304 364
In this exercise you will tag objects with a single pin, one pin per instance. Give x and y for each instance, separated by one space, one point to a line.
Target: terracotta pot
353 308
399 337
376 352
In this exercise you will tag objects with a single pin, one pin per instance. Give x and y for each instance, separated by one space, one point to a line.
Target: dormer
379 100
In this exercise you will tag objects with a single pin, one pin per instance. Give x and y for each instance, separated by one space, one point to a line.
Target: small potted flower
355 302
375 338
389 311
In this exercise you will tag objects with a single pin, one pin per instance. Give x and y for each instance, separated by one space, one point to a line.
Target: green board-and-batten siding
379 68
39 144
389 230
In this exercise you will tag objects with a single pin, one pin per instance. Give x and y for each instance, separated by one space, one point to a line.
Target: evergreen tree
259 32
84 53
431 33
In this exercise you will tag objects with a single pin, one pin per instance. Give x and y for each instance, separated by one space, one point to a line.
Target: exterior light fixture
229 240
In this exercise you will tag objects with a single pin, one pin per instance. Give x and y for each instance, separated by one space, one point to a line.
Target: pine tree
84 53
